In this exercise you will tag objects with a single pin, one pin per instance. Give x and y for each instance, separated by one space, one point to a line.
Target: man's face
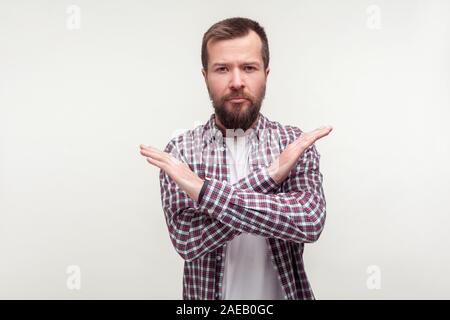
236 80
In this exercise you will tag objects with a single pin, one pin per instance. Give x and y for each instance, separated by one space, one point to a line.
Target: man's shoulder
188 139
286 133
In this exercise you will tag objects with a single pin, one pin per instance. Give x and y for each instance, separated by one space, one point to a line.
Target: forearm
297 215
258 181
193 232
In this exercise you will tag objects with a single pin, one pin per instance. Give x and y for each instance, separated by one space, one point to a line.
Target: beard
238 115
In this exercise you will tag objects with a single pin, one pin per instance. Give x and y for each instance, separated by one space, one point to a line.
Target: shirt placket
220 167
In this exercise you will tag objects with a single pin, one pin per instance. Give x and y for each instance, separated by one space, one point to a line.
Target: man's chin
236 115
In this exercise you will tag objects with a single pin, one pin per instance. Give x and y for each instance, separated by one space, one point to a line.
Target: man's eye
249 68
221 69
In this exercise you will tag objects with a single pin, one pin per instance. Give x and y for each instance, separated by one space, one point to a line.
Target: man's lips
237 99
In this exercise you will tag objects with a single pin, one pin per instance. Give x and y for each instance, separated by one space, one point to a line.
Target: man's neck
224 130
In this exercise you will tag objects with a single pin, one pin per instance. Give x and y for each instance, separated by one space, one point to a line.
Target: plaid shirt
288 214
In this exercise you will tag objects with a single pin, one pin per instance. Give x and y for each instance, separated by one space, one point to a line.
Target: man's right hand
280 168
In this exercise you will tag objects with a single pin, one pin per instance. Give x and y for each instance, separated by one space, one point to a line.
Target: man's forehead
243 49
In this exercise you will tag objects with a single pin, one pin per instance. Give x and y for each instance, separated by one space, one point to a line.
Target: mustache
238 95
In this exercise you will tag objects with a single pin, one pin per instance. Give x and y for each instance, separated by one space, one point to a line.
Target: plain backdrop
83 83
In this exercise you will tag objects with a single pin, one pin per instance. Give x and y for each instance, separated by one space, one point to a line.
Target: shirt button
217 295
219 257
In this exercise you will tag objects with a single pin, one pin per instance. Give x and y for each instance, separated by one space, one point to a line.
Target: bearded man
241 194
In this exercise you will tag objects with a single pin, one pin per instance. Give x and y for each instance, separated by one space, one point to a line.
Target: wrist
273 172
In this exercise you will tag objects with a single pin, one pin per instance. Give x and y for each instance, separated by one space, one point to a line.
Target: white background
76 103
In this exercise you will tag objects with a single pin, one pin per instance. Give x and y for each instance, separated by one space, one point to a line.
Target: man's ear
267 71
205 74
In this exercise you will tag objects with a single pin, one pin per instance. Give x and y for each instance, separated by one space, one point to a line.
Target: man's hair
232 28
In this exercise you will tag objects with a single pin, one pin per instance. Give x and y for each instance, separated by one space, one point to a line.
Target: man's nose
236 82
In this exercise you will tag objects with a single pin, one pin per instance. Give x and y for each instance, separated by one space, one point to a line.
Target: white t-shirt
249 272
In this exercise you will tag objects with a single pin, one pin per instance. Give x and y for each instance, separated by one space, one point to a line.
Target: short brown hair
232 28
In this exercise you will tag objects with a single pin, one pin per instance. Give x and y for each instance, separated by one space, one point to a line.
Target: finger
322 132
323 128
155 154
152 154
144 147
306 139
157 163
146 152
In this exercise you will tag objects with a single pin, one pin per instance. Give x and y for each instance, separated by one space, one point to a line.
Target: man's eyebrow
219 64
244 63
252 62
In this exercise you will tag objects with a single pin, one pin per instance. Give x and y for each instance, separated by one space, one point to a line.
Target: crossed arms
292 209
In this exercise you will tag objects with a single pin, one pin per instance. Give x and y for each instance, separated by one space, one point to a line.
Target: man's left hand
179 171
